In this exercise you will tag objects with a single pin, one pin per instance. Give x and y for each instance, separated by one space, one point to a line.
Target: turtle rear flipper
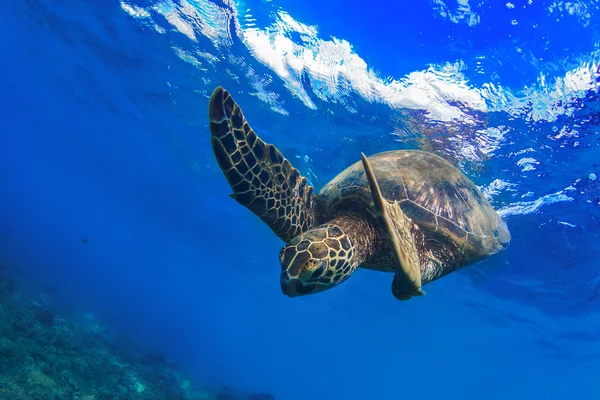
261 178
401 234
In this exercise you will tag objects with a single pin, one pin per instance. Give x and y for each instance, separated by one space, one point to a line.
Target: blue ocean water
112 198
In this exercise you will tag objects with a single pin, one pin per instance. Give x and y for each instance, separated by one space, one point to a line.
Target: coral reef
48 356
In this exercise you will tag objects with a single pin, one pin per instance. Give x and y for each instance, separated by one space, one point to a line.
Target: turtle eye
312 265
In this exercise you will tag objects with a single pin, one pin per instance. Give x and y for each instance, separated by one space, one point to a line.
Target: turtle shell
447 206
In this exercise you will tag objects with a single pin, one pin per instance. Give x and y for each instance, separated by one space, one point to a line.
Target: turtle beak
294 287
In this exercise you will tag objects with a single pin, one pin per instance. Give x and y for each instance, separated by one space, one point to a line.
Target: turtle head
317 260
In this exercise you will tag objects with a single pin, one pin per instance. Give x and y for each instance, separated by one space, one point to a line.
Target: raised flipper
400 232
261 178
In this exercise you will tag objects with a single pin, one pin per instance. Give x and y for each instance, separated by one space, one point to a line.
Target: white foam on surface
197 17
317 70
529 207
547 99
570 225
141 15
334 67
496 187
527 164
583 10
293 51
459 12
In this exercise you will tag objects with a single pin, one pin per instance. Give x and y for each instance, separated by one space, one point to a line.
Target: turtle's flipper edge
261 178
400 232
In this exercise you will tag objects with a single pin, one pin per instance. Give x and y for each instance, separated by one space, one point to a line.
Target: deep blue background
103 137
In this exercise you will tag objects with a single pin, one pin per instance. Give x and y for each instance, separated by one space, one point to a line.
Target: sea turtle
408 212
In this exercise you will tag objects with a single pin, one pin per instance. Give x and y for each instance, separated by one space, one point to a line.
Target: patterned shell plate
430 190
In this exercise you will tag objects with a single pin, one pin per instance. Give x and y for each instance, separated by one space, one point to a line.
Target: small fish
84 241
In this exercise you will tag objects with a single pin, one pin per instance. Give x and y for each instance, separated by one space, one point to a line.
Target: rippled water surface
104 136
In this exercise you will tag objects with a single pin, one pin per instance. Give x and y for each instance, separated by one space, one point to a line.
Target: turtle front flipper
402 235
261 178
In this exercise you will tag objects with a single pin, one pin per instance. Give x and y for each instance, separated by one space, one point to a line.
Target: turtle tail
262 180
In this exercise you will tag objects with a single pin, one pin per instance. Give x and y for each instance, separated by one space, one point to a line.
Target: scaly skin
327 255
261 178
